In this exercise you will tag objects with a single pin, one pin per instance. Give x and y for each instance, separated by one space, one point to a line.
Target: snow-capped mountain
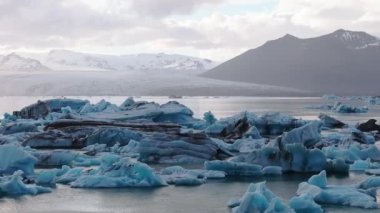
354 39
159 61
70 60
14 62
342 62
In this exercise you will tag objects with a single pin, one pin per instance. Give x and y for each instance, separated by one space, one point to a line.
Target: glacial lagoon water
210 197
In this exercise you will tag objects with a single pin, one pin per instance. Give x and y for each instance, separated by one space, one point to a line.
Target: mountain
343 62
14 62
70 60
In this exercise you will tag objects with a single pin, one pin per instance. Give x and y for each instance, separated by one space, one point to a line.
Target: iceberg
258 198
292 157
373 100
234 168
18 127
272 170
360 165
341 108
246 145
13 186
305 204
330 122
56 105
119 172
178 176
308 135
370 182
15 158
67 175
55 157
344 108
112 135
320 192
47 178
275 123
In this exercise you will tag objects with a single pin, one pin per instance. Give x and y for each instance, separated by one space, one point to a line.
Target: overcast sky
215 29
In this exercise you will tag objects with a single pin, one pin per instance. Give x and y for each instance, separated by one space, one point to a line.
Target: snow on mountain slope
67 58
70 60
14 62
355 39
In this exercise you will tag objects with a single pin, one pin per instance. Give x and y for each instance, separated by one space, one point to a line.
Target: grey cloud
164 8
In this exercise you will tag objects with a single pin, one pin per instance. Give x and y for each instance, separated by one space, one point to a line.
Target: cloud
217 29
163 8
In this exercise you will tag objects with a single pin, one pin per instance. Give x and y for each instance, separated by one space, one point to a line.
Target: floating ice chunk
370 182
319 180
353 153
234 168
119 172
337 195
96 148
344 108
360 165
373 100
292 157
179 176
131 150
361 137
129 102
258 198
276 205
111 136
308 135
15 158
55 157
209 118
274 123
299 159
13 185
56 105
7 118
175 112
85 161
247 145
160 149
18 127
47 178
330 122
67 175
272 170
305 204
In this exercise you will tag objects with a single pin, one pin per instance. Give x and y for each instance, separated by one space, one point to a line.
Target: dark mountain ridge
343 62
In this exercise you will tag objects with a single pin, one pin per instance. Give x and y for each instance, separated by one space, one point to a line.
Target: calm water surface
210 197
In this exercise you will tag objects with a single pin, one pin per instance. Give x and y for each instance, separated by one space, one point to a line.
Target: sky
214 29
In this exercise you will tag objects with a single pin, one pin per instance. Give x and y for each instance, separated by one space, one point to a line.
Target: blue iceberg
15 158
322 193
258 198
13 186
119 172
